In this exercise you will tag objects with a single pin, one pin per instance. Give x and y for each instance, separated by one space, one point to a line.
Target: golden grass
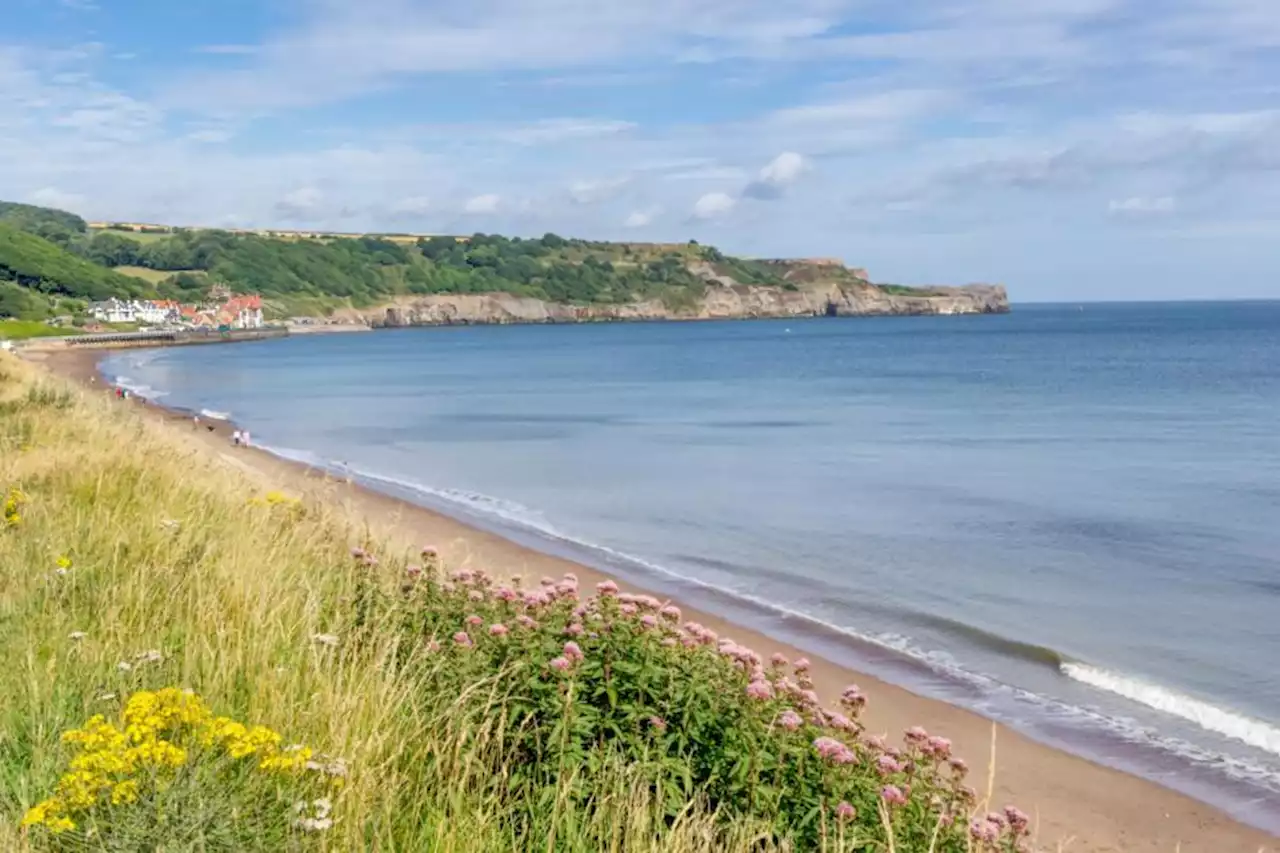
153 276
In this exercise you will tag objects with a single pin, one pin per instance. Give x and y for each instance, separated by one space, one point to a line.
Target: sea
1066 518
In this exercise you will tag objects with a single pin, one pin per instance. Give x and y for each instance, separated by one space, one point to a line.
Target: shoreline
1084 805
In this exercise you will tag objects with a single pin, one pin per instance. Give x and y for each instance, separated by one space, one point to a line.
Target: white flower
323 806
106 697
170 524
77 635
324 639
312 824
60 572
149 656
124 666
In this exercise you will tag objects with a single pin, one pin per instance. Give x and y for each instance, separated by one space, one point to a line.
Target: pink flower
778 659
562 664
573 651
916 734
840 721
526 622
790 720
801 665
498 630
893 795
877 743
938 747
983 829
607 588
429 553
671 612
852 697
462 638
670 642
649 620
886 765
504 593
658 723
474 621
628 609
462 576
433 646
845 812
358 553
574 630
760 690
959 766
412 572
1017 818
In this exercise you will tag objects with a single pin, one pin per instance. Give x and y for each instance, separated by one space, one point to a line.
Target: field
14 330
150 275
196 661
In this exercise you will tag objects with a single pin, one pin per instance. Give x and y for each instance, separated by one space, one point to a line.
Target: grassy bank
345 695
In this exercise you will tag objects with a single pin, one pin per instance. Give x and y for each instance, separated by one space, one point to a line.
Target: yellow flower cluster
110 756
13 502
276 499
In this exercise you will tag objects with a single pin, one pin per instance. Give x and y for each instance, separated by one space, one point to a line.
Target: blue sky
1071 149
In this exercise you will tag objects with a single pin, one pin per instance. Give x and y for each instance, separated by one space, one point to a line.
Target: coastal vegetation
52 264
197 661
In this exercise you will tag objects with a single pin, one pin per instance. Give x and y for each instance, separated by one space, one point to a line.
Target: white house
155 312
115 311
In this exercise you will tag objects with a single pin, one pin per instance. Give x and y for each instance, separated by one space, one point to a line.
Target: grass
139 236
150 275
14 330
468 715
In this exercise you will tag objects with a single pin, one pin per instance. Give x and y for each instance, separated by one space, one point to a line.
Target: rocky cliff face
841 296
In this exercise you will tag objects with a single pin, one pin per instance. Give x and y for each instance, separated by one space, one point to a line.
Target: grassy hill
52 262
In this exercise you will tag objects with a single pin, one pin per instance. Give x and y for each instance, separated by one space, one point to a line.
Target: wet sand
1076 805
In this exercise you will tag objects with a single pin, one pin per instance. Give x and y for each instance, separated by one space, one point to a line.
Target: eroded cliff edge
812 289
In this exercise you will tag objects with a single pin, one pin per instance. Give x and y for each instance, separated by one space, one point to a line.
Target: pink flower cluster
835 751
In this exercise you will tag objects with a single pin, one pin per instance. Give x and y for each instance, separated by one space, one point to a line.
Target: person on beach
235 437
195 422
244 438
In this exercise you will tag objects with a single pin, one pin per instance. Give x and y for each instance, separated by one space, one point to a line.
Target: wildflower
77 635
546 581
937 747
649 620
841 722
149 656
474 621
324 639
1018 820
628 609
983 829
845 812
171 524
504 593
670 612
313 824
670 642
63 562
852 697
801 665
475 595
778 659
413 572
760 690
607 588
358 553
893 795
462 638
106 697
497 630
916 735
573 651
887 765
574 630
790 720
959 766
124 666
560 663
526 621
433 646
428 553
658 723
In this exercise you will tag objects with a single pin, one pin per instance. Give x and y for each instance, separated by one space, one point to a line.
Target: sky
1069 149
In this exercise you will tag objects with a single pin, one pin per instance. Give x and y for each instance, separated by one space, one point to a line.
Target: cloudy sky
1071 149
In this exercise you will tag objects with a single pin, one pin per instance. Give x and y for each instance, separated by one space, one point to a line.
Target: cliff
812 289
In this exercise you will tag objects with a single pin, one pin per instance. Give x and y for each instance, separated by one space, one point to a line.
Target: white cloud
487 203
713 206
554 130
1142 206
300 205
875 108
781 172
641 218
54 197
594 192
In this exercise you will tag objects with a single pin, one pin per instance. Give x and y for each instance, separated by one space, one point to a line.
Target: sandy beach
1076 805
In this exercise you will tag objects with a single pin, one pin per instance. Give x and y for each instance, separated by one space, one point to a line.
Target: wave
987 689
1255 733
215 415
138 389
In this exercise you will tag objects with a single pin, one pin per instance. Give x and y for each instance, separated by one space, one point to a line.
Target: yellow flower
37 814
61 824
64 562
124 792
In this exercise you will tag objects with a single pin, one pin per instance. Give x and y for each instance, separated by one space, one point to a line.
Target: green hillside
50 262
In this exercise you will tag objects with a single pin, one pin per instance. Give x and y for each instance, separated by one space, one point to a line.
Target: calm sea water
1067 518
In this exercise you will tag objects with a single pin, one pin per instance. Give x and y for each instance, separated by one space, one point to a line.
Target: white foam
138 389
1256 733
215 416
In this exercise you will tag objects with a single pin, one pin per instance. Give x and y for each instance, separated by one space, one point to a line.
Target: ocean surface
1067 518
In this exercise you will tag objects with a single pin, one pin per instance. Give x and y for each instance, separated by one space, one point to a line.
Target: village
222 310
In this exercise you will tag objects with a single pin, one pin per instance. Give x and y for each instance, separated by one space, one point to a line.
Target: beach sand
1076 805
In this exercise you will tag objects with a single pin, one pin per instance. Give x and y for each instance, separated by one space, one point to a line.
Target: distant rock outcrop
817 288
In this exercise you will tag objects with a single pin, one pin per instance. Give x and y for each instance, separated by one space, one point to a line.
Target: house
242 312
115 311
